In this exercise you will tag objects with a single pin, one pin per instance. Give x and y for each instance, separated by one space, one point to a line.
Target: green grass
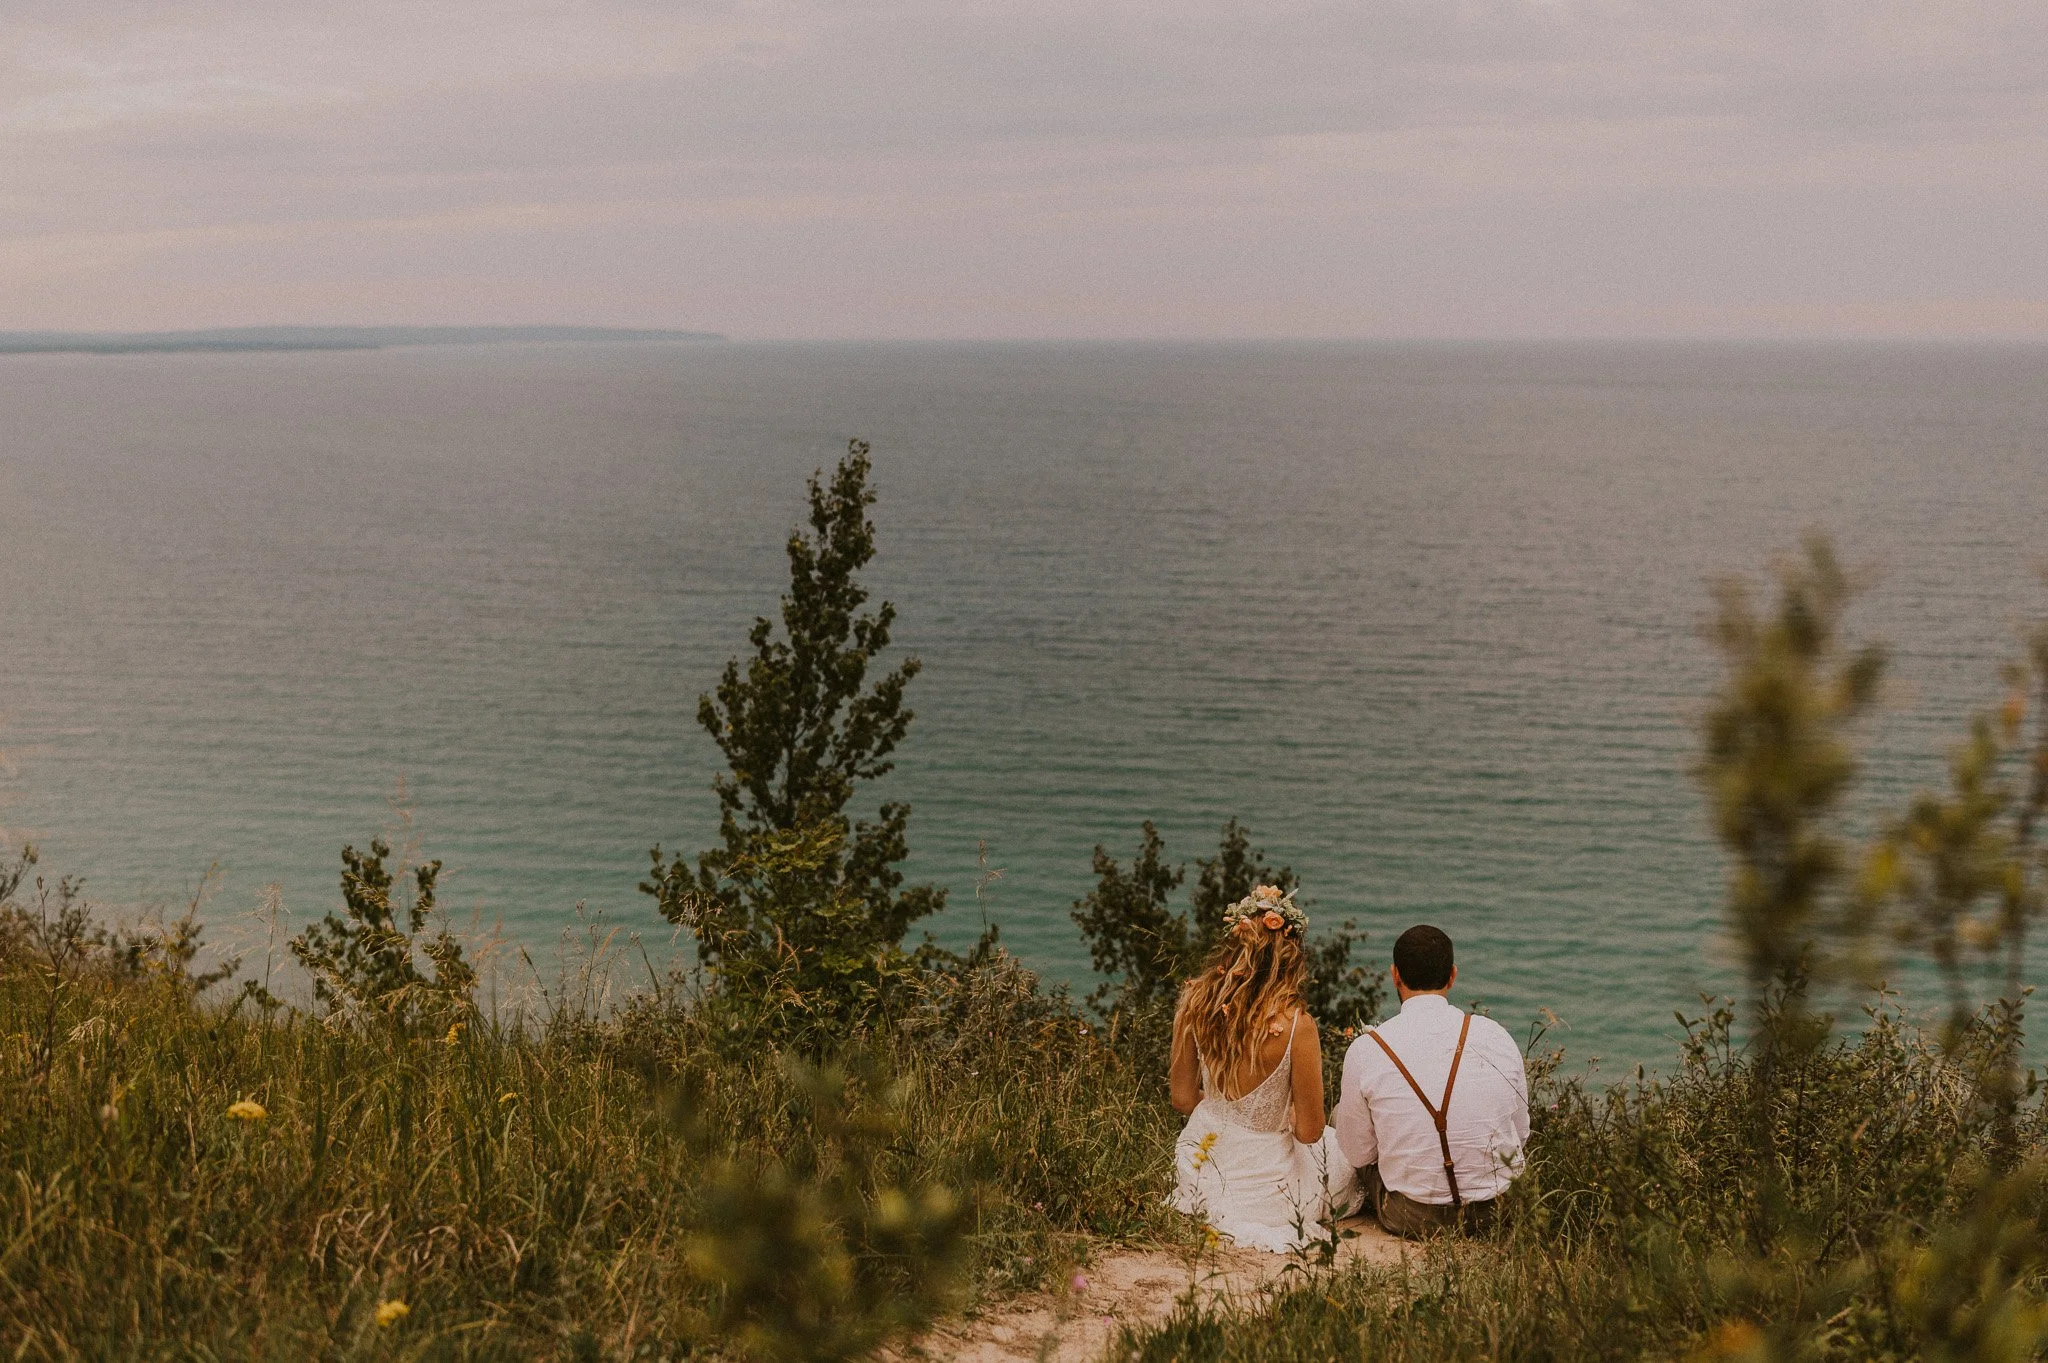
1644 1228
582 1185
648 1182
526 1191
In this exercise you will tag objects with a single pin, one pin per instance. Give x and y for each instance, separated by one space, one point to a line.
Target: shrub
1146 948
364 962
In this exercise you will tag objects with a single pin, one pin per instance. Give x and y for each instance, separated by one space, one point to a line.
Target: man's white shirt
1379 1120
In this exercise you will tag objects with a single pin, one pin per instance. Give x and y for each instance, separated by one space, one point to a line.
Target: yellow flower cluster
391 1312
247 1111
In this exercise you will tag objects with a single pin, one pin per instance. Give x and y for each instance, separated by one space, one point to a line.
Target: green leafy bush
1146 948
364 961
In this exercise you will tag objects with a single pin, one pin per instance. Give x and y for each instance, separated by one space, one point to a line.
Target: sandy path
1126 1287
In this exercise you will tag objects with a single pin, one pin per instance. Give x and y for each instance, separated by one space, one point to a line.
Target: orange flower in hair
1266 907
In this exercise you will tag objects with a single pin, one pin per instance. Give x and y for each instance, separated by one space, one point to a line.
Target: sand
1125 1287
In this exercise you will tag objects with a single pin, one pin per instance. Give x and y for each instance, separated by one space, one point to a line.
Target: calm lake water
1424 616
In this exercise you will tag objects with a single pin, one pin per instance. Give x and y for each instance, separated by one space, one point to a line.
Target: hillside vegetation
818 1136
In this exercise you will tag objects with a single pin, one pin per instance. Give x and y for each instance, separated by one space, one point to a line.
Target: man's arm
1520 1077
1353 1117
1504 1056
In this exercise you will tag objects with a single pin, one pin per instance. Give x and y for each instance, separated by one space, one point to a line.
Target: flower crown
1270 907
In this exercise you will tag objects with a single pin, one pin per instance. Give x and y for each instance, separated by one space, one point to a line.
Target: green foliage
1343 996
1948 855
1972 1290
364 962
1800 1197
63 935
825 1256
800 912
1134 934
1963 876
530 1191
60 946
1147 948
1778 762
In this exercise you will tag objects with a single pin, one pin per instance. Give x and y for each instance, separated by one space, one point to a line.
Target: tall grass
524 1190
1804 1196
1631 1234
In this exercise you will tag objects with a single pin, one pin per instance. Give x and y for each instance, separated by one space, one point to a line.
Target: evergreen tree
800 909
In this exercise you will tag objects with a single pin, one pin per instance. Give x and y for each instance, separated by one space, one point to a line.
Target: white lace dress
1238 1166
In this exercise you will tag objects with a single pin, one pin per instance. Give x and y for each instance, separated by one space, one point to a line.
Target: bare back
1290 1041
1272 1053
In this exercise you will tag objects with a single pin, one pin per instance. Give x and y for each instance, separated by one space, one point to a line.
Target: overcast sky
941 168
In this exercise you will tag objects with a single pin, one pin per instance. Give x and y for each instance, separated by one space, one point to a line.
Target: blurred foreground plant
823 1256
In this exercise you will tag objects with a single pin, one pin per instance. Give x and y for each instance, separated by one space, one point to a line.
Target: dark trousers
1400 1214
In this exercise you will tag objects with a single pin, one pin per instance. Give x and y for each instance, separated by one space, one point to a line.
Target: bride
1254 1160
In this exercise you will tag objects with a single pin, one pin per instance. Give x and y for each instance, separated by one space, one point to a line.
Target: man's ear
1453 980
1394 973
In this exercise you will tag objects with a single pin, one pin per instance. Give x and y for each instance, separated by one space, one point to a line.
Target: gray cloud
814 167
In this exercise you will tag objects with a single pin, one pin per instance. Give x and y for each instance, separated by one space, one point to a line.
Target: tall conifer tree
800 907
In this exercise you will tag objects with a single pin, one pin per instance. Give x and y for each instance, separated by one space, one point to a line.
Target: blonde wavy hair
1254 977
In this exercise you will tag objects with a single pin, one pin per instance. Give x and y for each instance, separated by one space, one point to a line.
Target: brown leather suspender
1438 1113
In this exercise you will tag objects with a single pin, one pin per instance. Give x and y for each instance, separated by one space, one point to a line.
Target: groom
1434 1108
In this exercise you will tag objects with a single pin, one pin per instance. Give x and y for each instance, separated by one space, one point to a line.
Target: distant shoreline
315 338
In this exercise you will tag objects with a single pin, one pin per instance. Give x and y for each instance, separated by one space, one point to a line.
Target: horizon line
375 335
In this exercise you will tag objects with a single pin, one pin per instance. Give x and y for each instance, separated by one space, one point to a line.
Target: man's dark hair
1423 956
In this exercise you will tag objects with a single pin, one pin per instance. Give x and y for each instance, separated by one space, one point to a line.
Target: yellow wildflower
454 1033
391 1312
247 1111
1208 1143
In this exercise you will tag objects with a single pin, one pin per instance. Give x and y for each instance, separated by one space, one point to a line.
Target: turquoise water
1424 616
